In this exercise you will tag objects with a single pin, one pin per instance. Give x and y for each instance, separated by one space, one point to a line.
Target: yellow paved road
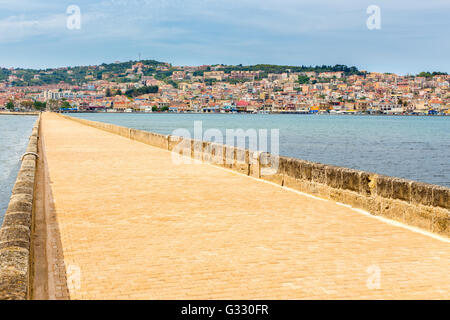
128 224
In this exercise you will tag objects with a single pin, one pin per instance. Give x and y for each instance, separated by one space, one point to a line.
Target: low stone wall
414 203
15 233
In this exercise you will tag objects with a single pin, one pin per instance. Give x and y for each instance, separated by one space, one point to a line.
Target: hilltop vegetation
140 91
431 74
122 72
270 68
75 75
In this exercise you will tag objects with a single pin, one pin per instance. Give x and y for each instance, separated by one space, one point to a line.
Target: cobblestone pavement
132 225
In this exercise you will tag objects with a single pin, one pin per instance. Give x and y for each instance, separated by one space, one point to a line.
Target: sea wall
15 233
414 203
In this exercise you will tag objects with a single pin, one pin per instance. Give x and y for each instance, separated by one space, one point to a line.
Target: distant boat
128 110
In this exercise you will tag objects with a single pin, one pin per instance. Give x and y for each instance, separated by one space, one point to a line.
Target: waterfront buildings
219 89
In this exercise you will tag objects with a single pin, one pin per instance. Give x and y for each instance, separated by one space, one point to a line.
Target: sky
414 35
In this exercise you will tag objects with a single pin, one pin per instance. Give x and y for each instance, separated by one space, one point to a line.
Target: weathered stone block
372 205
29 162
352 198
421 193
229 156
14 259
14 233
23 187
292 167
255 169
173 142
197 149
269 164
401 189
17 219
318 173
384 186
322 190
392 209
20 203
241 163
213 153
333 176
364 183
441 197
14 274
336 195
306 170
283 165
441 222
27 173
241 156
350 179
418 216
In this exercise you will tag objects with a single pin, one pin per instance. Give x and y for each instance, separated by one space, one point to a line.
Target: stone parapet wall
15 233
413 203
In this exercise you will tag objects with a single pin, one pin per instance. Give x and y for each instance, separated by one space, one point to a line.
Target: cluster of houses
253 92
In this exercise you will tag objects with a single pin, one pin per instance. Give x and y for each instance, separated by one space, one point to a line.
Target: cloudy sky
414 34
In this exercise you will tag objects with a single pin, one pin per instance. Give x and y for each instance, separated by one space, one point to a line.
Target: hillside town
161 87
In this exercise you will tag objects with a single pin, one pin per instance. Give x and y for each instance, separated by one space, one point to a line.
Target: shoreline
19 113
240 113
271 113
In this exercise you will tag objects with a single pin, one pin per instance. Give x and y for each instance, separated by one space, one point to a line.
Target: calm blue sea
416 148
14 134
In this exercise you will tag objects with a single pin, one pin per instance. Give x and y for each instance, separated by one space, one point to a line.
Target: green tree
54 105
27 105
108 92
40 106
140 91
302 79
10 105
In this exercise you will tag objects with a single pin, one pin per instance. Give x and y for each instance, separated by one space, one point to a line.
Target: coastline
19 113
268 113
